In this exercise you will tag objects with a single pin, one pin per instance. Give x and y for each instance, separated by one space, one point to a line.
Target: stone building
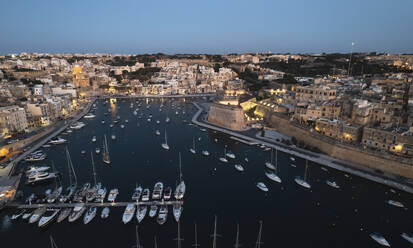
227 116
339 130
12 119
315 93
80 79
388 139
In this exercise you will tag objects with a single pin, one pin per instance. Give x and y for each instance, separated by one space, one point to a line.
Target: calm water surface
292 216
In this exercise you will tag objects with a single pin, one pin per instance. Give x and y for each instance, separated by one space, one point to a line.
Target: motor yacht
37 214
105 213
145 195
239 167
262 186
129 213
162 215
332 184
64 213
77 212
177 211
167 193
113 193
157 191
153 210
137 193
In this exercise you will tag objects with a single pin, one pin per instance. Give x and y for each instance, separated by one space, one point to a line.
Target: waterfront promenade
9 169
362 171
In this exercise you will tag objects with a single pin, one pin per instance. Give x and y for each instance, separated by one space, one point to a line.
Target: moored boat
379 239
332 184
105 213
37 214
90 214
152 211
395 203
272 176
64 213
141 212
177 211
145 195
129 213
77 212
44 220
262 186
162 215
113 193
239 167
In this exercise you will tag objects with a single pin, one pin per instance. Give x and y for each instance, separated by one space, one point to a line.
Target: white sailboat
165 145
379 239
140 214
129 213
90 214
180 189
270 164
192 150
303 181
272 175
205 153
262 186
224 159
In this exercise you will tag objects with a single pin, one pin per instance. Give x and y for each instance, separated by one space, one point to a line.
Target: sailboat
105 154
215 235
224 159
52 197
52 243
272 174
192 150
165 145
138 244
302 182
178 239
270 164
180 189
93 191
72 183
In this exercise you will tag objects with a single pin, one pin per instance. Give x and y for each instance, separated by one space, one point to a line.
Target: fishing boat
205 153
113 193
94 139
153 210
77 212
145 195
37 214
162 215
137 193
44 220
105 154
239 167
90 214
141 212
192 150
105 213
177 211
332 184
262 186
408 237
395 203
64 213
129 213
165 145
303 181
167 194
379 239
157 191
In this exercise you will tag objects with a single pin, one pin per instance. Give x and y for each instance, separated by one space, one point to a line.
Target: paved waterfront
331 162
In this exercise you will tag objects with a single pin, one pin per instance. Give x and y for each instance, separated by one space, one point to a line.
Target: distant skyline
137 27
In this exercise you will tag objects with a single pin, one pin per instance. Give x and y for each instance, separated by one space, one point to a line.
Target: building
339 130
12 119
227 116
396 140
315 93
80 79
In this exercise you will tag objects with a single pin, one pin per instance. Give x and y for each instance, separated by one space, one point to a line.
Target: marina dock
91 204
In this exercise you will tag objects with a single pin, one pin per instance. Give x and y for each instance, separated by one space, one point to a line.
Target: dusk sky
225 26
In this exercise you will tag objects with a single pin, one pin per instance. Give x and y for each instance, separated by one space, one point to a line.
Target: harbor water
292 216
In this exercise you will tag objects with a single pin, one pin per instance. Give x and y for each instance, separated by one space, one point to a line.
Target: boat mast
166 138
138 245
193 143
271 155
180 169
305 173
52 243
68 166
215 235
196 237
155 244
237 244
93 167
276 160
178 239
258 244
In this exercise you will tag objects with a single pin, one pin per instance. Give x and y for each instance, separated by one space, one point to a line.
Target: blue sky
183 26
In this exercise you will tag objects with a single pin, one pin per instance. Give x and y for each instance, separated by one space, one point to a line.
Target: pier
91 204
